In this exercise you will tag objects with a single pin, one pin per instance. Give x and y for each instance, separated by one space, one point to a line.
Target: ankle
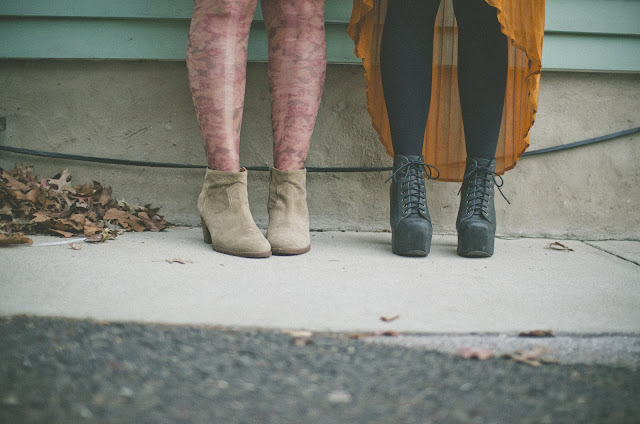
289 166
227 168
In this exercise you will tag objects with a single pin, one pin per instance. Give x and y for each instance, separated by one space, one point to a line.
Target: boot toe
251 244
289 241
476 239
412 237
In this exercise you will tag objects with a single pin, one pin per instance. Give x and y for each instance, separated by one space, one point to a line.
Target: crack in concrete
611 253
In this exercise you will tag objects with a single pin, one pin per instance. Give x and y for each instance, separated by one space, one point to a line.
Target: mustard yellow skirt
522 21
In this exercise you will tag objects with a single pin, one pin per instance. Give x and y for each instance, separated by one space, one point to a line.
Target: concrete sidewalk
346 283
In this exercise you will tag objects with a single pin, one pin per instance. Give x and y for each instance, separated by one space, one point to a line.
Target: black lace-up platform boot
411 228
476 223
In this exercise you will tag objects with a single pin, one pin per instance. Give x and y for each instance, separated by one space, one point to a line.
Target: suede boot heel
476 223
227 223
288 231
205 231
411 229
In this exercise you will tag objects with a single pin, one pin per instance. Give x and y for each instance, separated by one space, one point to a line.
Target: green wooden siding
337 11
127 39
601 35
580 34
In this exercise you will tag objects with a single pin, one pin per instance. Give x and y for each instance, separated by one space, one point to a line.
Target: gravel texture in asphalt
56 370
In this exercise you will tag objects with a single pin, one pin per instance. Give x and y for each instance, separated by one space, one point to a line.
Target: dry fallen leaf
298 333
387 333
61 182
367 334
66 234
35 205
75 246
559 246
41 216
388 318
302 342
300 338
533 357
13 183
179 261
475 353
104 235
15 238
537 333
360 336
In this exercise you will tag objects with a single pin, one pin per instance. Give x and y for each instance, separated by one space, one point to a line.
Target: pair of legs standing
216 60
406 67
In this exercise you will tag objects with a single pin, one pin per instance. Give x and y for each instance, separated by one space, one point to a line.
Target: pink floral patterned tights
217 58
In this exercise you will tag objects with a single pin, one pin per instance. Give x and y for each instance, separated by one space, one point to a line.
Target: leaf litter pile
33 205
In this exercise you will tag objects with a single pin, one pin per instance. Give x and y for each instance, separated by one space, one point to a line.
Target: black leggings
406 62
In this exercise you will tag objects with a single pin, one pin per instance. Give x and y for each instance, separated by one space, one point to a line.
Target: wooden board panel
118 38
581 16
336 11
66 38
595 52
593 16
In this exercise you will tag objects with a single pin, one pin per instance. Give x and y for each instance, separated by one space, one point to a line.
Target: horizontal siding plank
336 11
578 16
92 38
99 8
146 38
65 38
620 17
591 53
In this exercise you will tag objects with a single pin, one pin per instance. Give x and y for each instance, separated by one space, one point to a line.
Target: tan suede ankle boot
227 223
288 231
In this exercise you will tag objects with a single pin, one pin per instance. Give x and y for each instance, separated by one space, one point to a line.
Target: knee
412 13
477 17
295 13
225 9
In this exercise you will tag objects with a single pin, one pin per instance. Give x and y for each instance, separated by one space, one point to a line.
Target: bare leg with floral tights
216 59
297 64
217 62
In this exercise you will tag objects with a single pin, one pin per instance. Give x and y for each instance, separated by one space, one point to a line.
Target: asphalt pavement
70 371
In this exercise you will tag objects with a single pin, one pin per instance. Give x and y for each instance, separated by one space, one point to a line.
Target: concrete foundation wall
143 110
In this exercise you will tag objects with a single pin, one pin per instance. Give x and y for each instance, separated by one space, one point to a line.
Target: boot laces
410 176
479 188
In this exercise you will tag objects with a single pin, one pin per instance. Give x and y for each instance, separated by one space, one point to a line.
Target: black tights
406 63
